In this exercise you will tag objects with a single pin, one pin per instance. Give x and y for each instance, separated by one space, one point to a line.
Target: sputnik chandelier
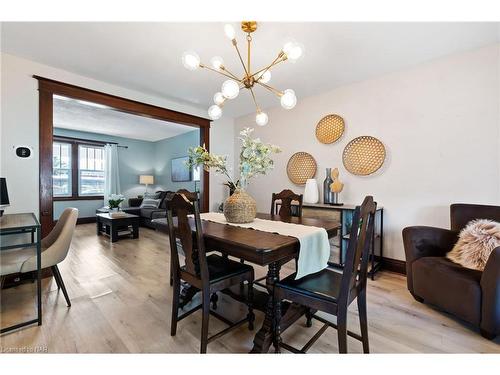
230 89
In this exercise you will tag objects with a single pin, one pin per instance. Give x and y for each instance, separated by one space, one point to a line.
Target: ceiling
147 56
95 118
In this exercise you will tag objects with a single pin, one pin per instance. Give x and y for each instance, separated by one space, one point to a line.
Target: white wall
439 122
19 125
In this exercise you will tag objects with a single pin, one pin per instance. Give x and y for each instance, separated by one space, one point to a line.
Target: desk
22 224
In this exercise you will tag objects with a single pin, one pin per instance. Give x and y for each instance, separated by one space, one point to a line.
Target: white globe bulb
293 51
266 77
191 60
219 98
261 119
214 112
288 99
230 89
229 31
216 62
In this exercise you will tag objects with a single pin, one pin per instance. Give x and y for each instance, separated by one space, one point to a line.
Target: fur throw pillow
475 244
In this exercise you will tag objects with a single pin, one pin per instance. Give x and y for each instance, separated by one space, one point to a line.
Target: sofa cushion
449 286
155 195
133 210
163 203
148 213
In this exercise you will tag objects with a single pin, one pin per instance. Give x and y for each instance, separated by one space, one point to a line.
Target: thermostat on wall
24 152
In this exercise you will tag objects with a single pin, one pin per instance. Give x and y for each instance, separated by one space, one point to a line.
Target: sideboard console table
339 244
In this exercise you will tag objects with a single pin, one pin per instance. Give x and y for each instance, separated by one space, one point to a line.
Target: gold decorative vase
240 208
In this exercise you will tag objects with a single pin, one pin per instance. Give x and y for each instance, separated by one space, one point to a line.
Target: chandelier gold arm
235 44
272 89
249 41
231 74
224 74
281 57
254 100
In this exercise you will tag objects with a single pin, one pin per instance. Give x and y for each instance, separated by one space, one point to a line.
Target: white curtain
111 172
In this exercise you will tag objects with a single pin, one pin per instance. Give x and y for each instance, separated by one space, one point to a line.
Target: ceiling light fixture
230 89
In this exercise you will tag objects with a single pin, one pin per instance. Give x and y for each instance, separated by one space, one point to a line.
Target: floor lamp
146 180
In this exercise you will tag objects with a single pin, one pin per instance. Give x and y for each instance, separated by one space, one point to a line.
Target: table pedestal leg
263 339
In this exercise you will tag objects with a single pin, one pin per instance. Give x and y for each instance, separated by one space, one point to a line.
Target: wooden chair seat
324 285
220 268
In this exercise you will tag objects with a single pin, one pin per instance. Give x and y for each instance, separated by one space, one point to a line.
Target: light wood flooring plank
122 303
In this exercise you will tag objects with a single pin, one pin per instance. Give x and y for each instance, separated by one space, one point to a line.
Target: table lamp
146 180
4 195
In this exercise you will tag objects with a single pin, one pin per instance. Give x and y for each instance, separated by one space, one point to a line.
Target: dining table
266 249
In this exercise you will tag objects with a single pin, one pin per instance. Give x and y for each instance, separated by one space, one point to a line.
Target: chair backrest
356 265
180 205
461 214
287 197
58 241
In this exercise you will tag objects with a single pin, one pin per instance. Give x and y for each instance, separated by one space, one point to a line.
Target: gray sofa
148 214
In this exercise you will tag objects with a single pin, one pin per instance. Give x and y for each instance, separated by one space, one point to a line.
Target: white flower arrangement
255 159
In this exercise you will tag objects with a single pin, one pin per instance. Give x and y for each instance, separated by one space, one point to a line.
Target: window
90 170
62 175
78 169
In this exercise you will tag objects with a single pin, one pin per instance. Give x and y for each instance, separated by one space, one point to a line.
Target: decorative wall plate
330 128
363 155
300 167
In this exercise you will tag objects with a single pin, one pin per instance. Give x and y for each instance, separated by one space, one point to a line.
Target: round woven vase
240 208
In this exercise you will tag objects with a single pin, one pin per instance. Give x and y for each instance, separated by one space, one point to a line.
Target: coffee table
118 227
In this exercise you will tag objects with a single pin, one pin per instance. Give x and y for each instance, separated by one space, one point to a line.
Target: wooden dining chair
332 292
209 274
286 197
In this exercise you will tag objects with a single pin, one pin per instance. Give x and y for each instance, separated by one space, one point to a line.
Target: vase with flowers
255 159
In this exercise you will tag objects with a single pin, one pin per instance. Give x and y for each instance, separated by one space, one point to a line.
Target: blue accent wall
168 149
141 157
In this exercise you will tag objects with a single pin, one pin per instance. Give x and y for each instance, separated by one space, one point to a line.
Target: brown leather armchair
471 295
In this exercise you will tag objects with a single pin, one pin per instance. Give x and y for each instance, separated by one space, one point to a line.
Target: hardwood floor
121 303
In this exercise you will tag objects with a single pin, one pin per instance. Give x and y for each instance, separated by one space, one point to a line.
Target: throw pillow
152 195
150 203
475 244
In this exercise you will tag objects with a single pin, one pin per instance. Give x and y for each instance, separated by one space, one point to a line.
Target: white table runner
314 245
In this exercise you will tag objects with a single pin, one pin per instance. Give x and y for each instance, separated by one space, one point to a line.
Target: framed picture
180 171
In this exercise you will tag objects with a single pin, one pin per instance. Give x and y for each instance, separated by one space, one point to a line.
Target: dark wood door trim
119 103
45 146
48 87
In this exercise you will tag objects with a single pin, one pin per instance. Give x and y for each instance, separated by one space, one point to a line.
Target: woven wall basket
301 167
363 155
330 128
